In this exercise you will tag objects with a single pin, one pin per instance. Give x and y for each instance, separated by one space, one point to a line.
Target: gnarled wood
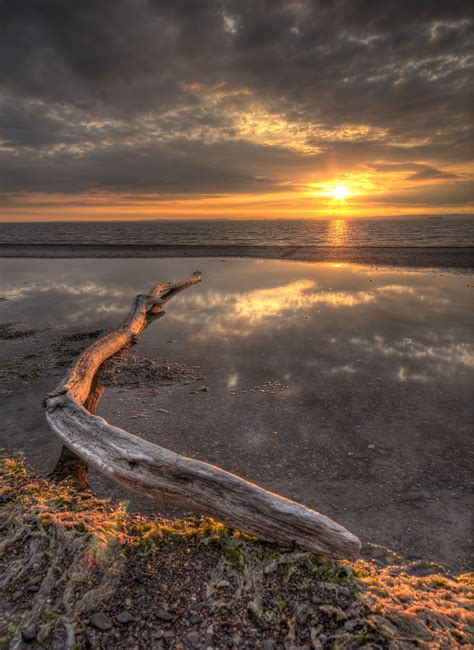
166 476
69 465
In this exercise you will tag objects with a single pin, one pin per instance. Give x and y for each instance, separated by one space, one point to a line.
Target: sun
339 192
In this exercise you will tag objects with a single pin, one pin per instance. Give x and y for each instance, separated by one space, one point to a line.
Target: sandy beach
236 325
345 387
409 256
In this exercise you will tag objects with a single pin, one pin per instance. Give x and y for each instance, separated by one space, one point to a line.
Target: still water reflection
415 325
345 387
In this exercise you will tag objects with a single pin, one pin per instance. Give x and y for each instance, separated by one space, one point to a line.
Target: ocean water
448 231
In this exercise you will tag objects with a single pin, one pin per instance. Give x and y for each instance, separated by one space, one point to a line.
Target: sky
137 109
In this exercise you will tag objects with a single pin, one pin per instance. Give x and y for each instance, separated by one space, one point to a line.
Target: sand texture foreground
410 256
78 572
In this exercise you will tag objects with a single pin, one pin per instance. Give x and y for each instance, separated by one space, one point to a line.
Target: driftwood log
166 476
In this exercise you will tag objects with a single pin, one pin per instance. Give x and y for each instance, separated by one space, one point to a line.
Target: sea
419 232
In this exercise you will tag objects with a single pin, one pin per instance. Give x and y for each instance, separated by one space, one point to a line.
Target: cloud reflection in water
236 314
412 325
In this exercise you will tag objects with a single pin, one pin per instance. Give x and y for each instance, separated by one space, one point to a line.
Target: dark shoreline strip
408 256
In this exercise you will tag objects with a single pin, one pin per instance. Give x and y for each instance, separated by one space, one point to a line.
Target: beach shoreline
343 387
461 258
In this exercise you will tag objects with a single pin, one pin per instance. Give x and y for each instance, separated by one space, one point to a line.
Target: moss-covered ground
79 572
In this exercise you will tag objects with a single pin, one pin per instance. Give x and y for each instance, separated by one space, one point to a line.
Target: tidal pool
345 387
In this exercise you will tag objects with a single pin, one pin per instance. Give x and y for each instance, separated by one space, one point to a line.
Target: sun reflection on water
338 232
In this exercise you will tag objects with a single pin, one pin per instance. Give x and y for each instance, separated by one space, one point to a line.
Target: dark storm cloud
137 95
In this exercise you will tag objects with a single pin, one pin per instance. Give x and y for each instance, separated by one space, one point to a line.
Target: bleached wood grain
163 475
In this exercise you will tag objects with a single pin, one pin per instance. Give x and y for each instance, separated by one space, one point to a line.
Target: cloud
419 171
430 172
149 97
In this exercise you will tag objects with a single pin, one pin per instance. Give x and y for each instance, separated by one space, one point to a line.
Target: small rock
193 637
267 644
16 595
323 638
413 495
168 634
32 589
124 617
209 636
301 616
101 621
140 579
29 634
164 615
194 619
158 646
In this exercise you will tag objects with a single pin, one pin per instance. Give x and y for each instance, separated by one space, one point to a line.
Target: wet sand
344 387
409 256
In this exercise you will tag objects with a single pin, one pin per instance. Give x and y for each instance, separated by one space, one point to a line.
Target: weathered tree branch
166 476
69 465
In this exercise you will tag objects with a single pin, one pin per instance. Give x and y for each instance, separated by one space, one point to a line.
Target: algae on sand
71 565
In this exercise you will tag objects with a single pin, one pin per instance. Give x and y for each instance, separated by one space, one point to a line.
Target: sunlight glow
340 192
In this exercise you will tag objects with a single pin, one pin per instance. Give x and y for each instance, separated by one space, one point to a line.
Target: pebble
209 636
267 644
140 579
193 637
414 495
164 615
301 617
194 619
124 617
29 634
101 621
